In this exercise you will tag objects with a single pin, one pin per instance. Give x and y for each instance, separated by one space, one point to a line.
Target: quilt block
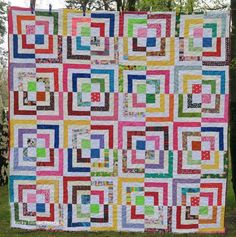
118 121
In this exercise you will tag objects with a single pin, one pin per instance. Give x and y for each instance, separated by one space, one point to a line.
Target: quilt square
204 40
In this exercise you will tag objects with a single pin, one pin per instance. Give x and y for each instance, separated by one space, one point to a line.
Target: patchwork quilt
118 121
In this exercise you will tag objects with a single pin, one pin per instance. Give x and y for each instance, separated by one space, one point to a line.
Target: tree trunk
233 98
119 5
106 5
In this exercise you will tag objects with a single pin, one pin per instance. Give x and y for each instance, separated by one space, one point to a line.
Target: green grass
6 231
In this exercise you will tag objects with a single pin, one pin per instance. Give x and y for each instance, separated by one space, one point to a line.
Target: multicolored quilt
118 121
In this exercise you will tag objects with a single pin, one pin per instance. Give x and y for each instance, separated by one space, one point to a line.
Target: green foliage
128 5
76 4
155 5
233 63
4 136
215 4
3 19
3 92
184 6
187 6
91 4
3 56
4 139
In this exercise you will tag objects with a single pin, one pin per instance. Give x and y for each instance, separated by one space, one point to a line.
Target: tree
155 5
214 4
77 4
128 5
131 5
3 89
4 139
186 6
90 4
3 19
3 57
3 97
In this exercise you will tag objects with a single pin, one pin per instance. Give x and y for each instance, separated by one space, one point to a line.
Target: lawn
6 231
